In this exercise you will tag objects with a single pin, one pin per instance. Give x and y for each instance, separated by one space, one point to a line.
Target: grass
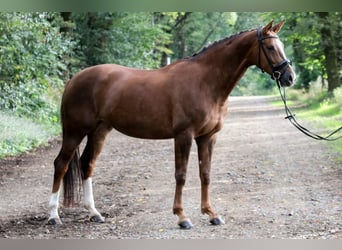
20 135
322 113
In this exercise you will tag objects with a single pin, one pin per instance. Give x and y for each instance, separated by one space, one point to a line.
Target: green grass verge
19 134
322 113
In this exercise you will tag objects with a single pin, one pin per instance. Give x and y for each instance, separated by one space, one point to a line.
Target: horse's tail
72 181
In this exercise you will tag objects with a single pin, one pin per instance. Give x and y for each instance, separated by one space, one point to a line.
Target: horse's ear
277 28
267 28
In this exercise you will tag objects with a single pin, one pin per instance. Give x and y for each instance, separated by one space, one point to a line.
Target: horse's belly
142 126
141 131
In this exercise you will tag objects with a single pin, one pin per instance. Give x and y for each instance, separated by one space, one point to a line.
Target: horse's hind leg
92 150
61 164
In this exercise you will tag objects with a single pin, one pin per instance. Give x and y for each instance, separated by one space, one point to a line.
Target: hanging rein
276 74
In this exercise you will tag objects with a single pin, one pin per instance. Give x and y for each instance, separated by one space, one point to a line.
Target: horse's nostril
290 79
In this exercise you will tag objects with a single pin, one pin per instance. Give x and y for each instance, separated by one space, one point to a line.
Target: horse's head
271 55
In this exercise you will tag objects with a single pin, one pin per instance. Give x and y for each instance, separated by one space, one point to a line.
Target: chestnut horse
185 100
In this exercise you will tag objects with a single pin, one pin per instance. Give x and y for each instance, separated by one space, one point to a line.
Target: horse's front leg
182 150
205 147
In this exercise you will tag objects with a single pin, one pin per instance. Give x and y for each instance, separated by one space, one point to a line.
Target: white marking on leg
89 198
53 205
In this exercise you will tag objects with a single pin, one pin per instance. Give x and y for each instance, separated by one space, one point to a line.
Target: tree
93 34
316 46
131 39
191 31
66 28
329 28
172 24
67 25
31 64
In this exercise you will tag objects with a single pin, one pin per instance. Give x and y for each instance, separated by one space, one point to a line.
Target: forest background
39 52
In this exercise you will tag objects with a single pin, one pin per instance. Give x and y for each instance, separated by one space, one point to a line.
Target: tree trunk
66 29
330 52
66 26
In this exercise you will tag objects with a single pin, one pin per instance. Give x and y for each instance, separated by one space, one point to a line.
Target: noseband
278 69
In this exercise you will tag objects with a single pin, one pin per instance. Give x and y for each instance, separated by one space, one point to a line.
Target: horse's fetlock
177 210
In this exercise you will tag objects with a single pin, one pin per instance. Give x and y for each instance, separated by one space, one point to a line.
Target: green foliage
193 31
131 39
254 82
250 20
31 65
21 134
317 110
327 113
307 50
337 95
138 41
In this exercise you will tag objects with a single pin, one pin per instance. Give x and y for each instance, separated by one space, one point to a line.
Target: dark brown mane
217 43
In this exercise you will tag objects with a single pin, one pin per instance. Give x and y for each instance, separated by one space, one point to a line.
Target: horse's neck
227 62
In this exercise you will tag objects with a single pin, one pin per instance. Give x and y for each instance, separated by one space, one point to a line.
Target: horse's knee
60 169
205 178
180 178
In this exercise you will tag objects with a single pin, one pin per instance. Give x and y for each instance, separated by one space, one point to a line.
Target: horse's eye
271 47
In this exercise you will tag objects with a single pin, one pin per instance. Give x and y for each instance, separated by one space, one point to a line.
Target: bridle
277 71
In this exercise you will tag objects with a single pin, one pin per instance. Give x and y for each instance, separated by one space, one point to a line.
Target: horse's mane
217 43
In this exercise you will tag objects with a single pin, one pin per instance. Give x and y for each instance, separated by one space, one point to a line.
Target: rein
276 74
291 117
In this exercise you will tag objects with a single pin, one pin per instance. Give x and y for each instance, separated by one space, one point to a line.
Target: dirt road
268 181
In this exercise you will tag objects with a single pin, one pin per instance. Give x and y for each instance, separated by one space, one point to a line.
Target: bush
20 134
31 59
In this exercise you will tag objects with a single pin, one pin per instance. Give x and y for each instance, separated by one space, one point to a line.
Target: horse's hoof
54 221
217 221
97 219
185 224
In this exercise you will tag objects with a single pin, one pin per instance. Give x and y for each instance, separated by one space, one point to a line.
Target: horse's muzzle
284 73
288 78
